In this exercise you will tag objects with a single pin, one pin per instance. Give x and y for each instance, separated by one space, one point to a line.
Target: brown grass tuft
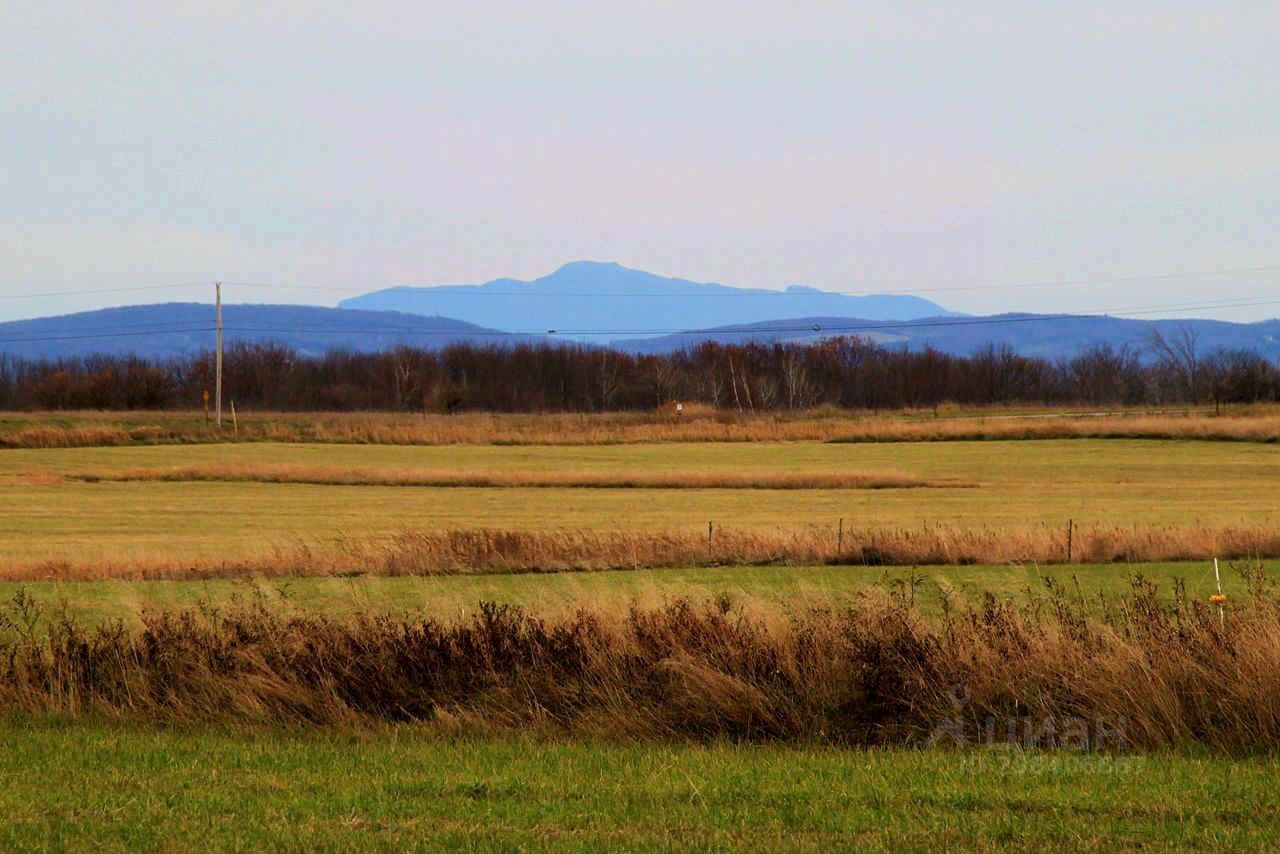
56 436
480 551
1152 672
1246 424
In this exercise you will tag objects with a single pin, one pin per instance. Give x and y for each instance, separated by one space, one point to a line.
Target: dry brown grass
1148 673
82 436
1249 424
1255 428
336 476
481 551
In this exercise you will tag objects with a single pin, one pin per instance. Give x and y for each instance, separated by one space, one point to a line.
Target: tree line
846 372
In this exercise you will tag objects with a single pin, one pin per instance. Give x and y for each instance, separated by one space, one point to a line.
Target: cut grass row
104 786
444 479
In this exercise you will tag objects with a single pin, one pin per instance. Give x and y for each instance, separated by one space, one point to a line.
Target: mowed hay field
65 504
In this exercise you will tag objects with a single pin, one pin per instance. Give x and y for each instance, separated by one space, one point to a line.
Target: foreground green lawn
552 594
80 786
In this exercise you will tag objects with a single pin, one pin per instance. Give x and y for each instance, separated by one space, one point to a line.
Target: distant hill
175 329
1048 336
593 301
178 329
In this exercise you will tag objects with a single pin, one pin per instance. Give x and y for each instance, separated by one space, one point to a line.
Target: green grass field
90 786
1023 483
449 596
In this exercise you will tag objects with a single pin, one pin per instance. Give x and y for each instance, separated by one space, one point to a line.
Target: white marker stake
1217 577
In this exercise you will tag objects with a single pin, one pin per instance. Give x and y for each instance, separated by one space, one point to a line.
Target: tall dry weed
1251 424
1154 671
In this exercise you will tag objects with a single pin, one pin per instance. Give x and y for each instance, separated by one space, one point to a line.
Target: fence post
840 538
710 548
1071 526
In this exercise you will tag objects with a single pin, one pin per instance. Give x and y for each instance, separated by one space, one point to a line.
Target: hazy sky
860 147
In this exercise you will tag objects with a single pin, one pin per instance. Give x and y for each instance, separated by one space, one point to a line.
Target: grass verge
108 786
559 594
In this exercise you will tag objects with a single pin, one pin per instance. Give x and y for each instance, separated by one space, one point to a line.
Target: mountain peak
603 296
587 267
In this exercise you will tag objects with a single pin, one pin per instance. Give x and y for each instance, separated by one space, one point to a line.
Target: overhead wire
735 329
870 290
726 329
93 291
478 290
88 335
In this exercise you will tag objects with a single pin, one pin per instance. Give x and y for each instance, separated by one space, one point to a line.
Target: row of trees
846 372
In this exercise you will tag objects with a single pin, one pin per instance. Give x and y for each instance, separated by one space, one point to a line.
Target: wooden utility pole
217 370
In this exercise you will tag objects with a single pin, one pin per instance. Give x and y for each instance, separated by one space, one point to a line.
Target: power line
92 291
476 290
155 331
1108 280
870 290
738 329
811 327
895 325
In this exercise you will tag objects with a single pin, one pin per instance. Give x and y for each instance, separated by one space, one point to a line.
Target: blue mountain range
599 302
601 305
182 329
1046 336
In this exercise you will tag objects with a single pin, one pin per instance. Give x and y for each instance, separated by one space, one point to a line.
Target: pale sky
886 147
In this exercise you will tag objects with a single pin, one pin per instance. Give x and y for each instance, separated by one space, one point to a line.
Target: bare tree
609 378
1179 354
795 380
